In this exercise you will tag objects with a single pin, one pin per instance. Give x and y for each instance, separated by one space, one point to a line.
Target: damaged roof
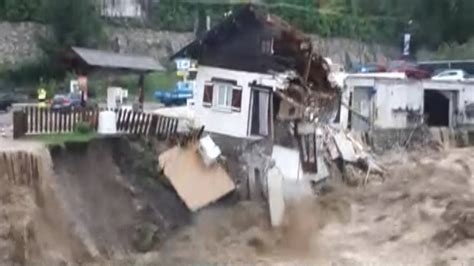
231 38
240 42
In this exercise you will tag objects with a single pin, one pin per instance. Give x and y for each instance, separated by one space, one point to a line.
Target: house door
260 111
440 108
362 104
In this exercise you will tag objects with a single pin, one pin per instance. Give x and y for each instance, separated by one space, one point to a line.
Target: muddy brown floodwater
84 210
421 214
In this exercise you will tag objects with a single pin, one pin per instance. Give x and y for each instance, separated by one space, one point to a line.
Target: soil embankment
101 203
84 201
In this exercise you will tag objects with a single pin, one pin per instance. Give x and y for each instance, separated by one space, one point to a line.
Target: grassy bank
61 139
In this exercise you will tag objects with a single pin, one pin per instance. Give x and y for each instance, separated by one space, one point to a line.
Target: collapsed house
254 72
266 99
248 65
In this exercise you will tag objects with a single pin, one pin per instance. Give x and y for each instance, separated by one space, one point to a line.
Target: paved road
6 124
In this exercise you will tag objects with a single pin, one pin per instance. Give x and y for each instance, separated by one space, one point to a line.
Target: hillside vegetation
442 26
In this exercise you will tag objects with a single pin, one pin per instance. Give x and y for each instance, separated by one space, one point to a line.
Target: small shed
84 61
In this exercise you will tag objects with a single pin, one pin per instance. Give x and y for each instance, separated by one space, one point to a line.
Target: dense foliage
435 22
20 10
73 23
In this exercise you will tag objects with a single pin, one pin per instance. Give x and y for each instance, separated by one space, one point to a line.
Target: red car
411 69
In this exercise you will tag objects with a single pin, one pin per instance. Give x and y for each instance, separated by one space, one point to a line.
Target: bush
21 10
83 127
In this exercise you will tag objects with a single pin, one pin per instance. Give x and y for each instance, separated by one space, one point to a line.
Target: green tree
73 23
20 10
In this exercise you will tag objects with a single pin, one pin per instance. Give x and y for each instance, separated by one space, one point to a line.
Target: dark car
411 69
6 101
65 102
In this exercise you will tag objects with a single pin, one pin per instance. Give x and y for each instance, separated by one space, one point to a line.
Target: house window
224 96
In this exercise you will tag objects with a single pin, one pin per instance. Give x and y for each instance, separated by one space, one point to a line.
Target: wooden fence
37 121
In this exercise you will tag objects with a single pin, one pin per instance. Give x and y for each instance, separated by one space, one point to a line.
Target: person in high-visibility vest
42 97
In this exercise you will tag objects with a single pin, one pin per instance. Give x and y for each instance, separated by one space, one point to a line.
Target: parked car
65 102
6 101
411 69
178 96
453 74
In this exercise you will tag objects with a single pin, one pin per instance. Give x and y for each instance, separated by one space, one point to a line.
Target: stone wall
159 44
18 44
340 49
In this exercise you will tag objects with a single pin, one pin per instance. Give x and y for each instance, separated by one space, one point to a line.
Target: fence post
20 124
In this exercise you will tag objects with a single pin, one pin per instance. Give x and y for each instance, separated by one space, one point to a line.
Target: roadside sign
183 64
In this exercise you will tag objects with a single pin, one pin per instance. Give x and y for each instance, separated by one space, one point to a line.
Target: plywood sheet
196 184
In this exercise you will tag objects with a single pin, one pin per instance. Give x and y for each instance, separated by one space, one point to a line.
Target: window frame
228 89
232 95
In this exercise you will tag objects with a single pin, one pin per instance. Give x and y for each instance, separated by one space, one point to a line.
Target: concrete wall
393 96
226 122
396 96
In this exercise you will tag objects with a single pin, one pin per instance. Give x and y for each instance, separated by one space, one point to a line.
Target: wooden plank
119 117
161 121
60 124
139 117
69 121
40 124
56 124
36 120
126 122
153 125
27 124
167 127
134 122
175 127
50 120
147 125
65 116
96 119
143 118
123 120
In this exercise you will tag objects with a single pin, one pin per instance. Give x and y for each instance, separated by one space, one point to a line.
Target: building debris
197 185
276 201
209 150
288 162
345 147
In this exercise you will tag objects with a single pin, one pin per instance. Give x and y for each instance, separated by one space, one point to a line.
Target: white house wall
392 94
228 123
398 95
